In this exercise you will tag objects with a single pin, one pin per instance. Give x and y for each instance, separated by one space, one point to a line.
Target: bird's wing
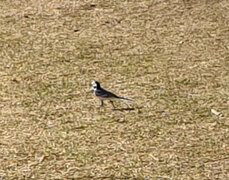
105 94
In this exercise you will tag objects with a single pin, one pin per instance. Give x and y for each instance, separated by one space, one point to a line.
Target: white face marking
94 85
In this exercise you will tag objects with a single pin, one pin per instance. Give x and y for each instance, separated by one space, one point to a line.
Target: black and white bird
103 94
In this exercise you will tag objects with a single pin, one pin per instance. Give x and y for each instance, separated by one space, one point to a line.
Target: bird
103 94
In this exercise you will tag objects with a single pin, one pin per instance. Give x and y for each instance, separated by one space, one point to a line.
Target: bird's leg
112 104
101 103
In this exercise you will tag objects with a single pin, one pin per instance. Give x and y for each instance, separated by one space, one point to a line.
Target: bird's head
95 84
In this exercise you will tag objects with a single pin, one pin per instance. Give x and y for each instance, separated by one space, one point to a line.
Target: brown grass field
170 57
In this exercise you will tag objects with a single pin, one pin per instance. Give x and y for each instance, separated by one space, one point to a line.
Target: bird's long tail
125 99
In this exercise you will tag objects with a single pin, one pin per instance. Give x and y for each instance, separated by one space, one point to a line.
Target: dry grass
171 57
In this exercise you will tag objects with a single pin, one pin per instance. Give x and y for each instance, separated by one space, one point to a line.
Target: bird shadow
123 109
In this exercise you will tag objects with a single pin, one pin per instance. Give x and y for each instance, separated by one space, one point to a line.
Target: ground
170 57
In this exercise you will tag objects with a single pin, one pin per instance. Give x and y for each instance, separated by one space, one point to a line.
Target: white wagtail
103 94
